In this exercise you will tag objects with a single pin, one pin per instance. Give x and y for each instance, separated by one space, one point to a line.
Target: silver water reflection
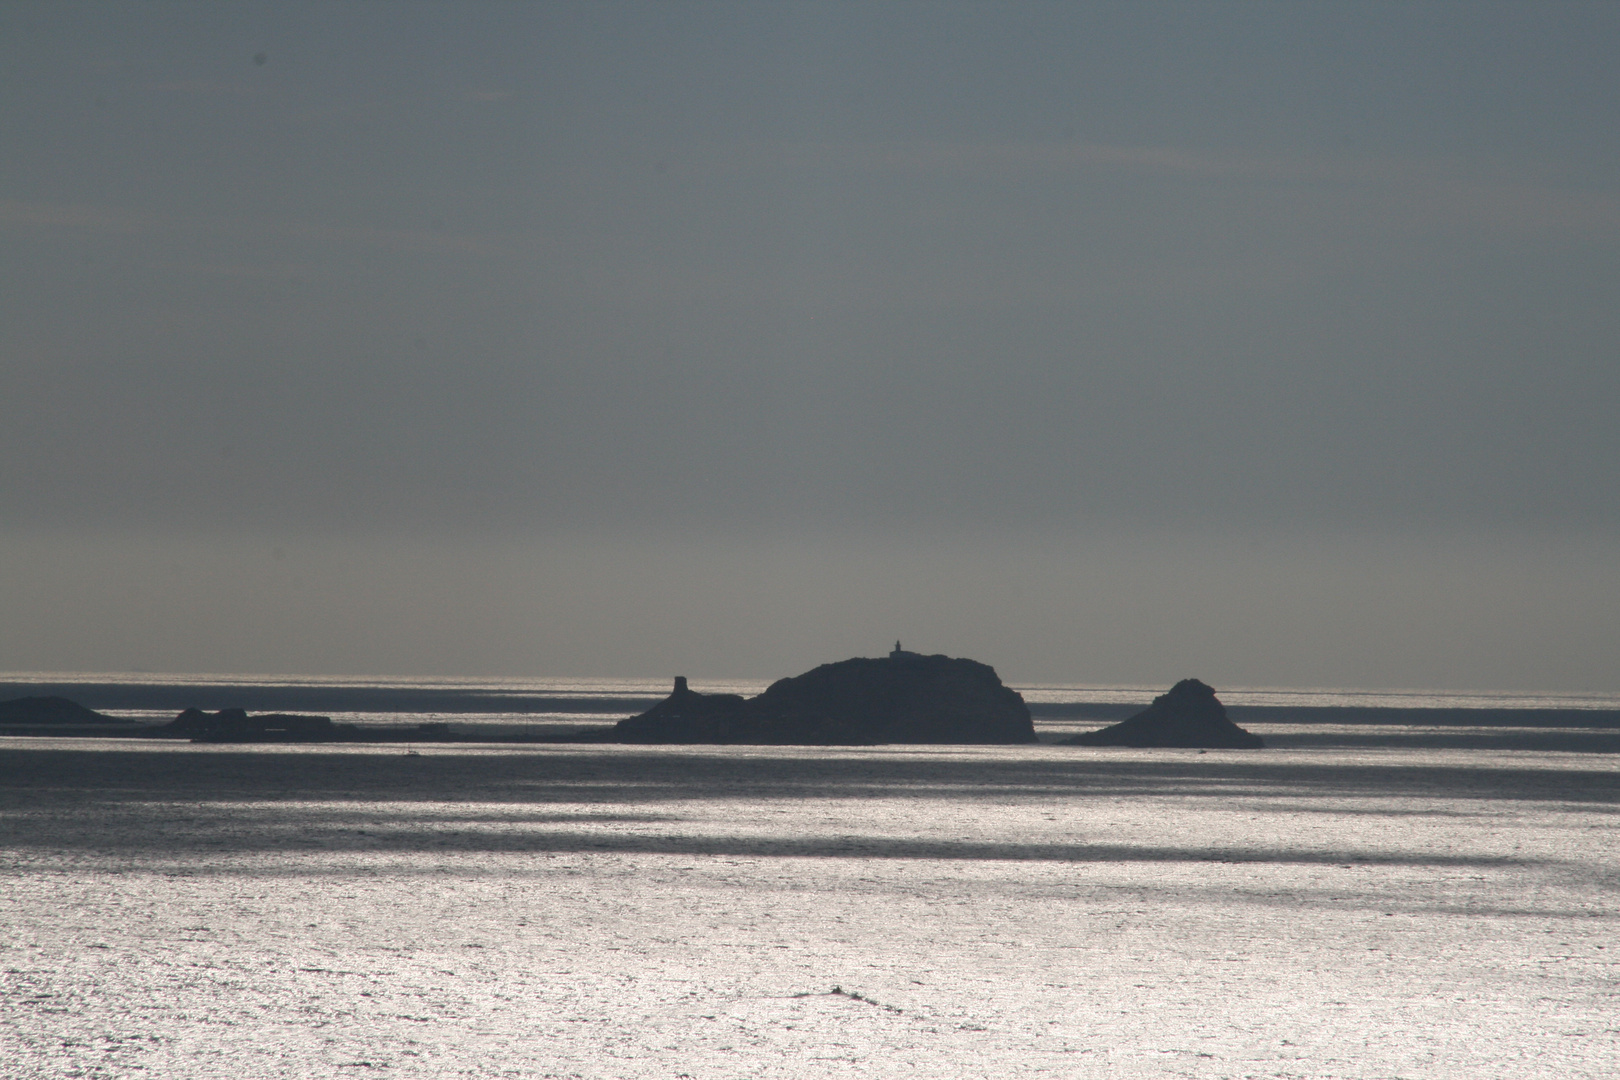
209 911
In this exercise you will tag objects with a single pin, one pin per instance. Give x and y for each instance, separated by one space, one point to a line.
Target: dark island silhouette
905 697
1190 716
235 725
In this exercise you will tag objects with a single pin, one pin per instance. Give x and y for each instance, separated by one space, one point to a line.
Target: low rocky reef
1190 716
902 698
236 726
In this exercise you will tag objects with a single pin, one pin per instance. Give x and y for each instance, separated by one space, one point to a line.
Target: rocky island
905 697
1190 715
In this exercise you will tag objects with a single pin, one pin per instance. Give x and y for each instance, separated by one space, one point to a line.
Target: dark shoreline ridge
52 710
1189 716
903 698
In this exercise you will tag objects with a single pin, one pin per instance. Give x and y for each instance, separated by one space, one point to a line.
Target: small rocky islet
1190 716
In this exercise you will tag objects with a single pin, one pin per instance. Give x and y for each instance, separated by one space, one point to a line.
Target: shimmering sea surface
1412 886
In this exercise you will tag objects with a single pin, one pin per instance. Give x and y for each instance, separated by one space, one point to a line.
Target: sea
1402 884
505 708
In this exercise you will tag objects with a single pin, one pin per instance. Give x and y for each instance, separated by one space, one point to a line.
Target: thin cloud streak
19 214
112 219
1440 189
205 88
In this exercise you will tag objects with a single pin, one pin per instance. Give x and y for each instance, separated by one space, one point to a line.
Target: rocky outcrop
51 710
686 716
1188 716
235 725
903 698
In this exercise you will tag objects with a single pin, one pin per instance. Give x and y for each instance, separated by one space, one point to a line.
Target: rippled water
600 911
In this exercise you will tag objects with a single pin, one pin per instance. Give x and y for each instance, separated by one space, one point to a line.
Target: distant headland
51 710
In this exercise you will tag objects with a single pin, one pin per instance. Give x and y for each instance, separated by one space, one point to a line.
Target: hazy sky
1267 343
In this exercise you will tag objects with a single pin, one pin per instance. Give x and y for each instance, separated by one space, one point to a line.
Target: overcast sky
1267 343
